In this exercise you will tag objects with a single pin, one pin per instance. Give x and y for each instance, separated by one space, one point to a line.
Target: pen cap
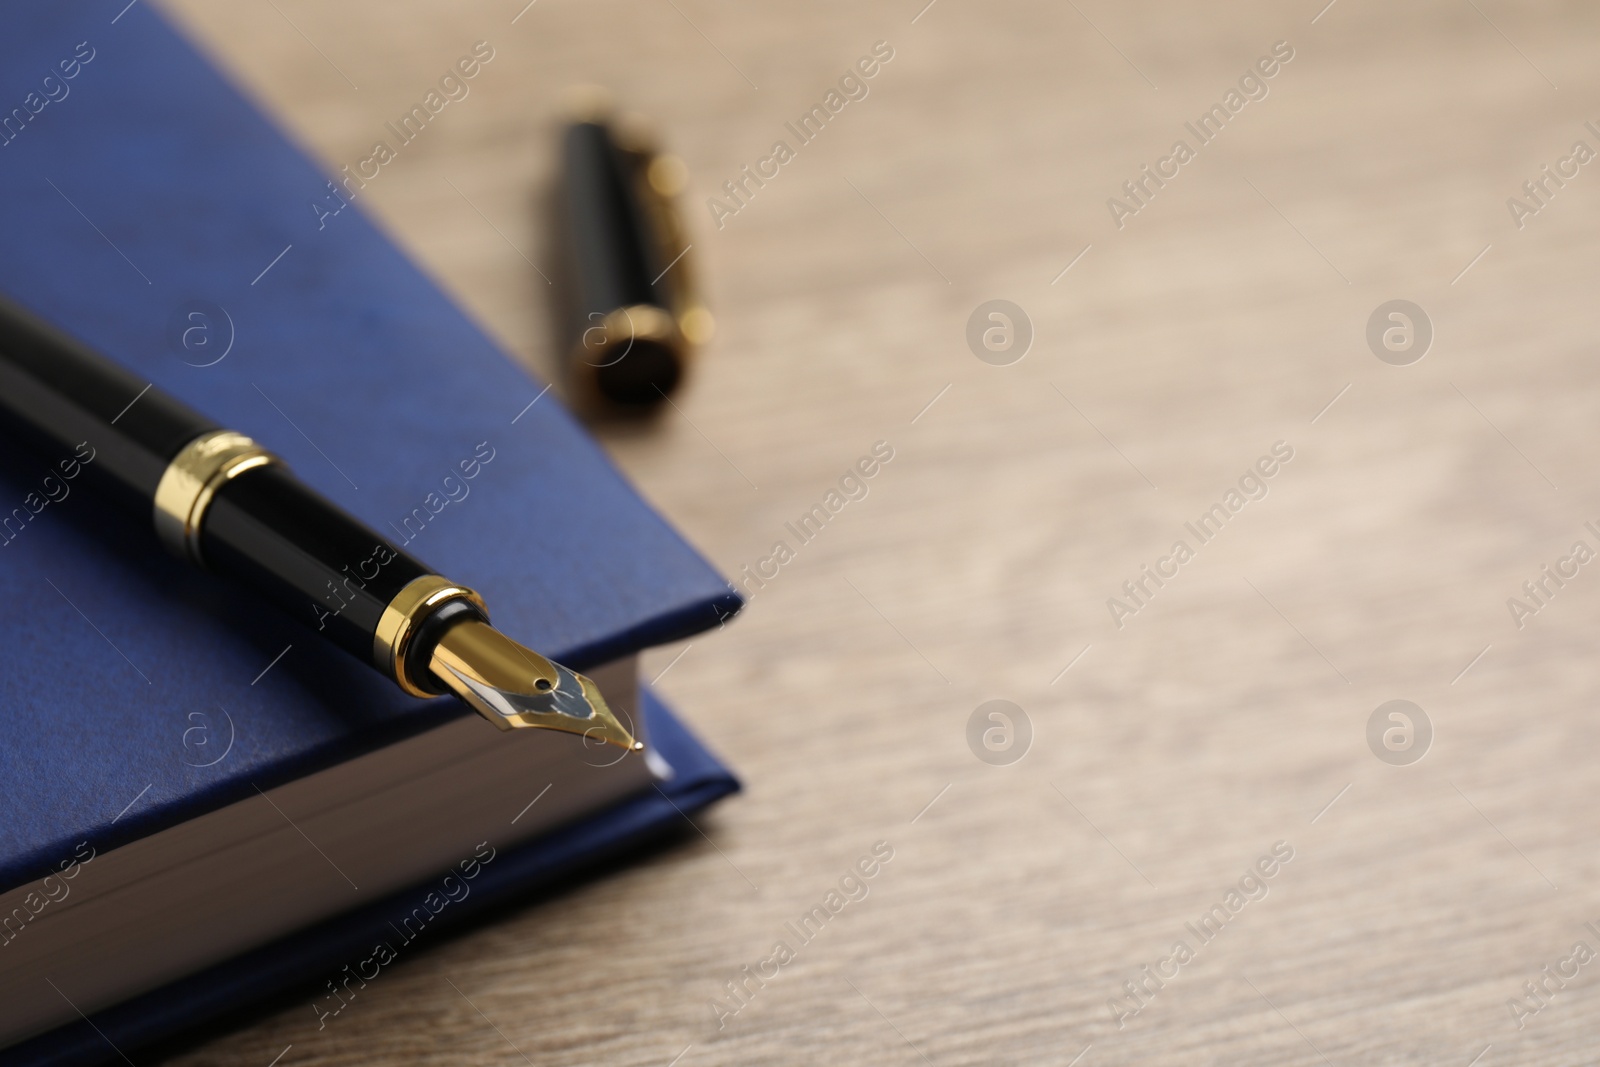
634 316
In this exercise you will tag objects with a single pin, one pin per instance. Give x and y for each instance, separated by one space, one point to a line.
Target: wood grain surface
1229 713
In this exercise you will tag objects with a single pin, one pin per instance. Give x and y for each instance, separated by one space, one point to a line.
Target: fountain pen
220 500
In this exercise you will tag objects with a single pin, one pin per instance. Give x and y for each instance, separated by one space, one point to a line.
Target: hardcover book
203 803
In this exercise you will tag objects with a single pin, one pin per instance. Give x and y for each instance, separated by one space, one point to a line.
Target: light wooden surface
1225 716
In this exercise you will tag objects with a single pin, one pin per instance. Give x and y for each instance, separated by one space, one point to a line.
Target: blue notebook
139 189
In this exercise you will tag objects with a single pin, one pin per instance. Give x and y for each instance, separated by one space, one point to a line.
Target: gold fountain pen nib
513 686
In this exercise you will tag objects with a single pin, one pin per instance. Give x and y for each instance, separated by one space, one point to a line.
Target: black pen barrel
267 530
222 501
59 394
219 499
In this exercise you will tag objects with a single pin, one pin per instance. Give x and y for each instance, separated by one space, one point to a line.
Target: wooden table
1226 714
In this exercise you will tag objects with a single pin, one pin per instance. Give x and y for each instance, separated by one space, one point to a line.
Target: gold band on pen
664 177
191 481
400 619
610 340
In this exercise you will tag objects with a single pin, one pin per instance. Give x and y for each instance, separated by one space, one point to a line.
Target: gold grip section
513 686
191 481
400 619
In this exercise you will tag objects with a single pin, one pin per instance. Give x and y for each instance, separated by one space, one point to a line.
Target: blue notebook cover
137 186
